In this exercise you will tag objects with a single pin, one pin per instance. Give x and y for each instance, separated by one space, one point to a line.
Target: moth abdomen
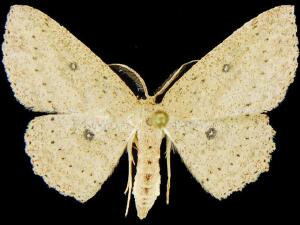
147 179
146 185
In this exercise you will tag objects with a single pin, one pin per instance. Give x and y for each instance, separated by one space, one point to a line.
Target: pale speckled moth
212 115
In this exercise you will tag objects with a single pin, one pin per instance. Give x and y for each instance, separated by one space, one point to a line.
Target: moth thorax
158 119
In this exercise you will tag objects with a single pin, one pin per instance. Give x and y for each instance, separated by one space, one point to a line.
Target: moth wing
50 70
248 73
224 155
75 154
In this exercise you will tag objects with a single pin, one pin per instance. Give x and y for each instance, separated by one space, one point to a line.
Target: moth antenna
168 157
128 189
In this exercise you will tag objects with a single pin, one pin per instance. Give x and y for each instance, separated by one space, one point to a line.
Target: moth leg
168 157
135 142
128 189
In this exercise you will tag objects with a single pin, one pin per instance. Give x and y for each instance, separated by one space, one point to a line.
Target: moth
211 111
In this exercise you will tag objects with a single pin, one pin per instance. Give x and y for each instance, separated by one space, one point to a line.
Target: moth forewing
248 73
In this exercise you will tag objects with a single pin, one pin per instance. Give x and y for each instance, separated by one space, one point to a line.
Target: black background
153 39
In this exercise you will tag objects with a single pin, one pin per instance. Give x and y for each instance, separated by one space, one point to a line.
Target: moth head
158 119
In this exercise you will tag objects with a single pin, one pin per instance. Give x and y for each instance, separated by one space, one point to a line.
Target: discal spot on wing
226 68
73 66
211 133
89 135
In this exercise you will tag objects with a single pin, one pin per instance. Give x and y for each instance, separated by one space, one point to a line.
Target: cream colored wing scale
215 121
75 154
248 73
51 71
224 155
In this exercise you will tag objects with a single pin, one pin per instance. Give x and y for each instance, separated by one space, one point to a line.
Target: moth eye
88 135
159 119
226 68
73 66
211 133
